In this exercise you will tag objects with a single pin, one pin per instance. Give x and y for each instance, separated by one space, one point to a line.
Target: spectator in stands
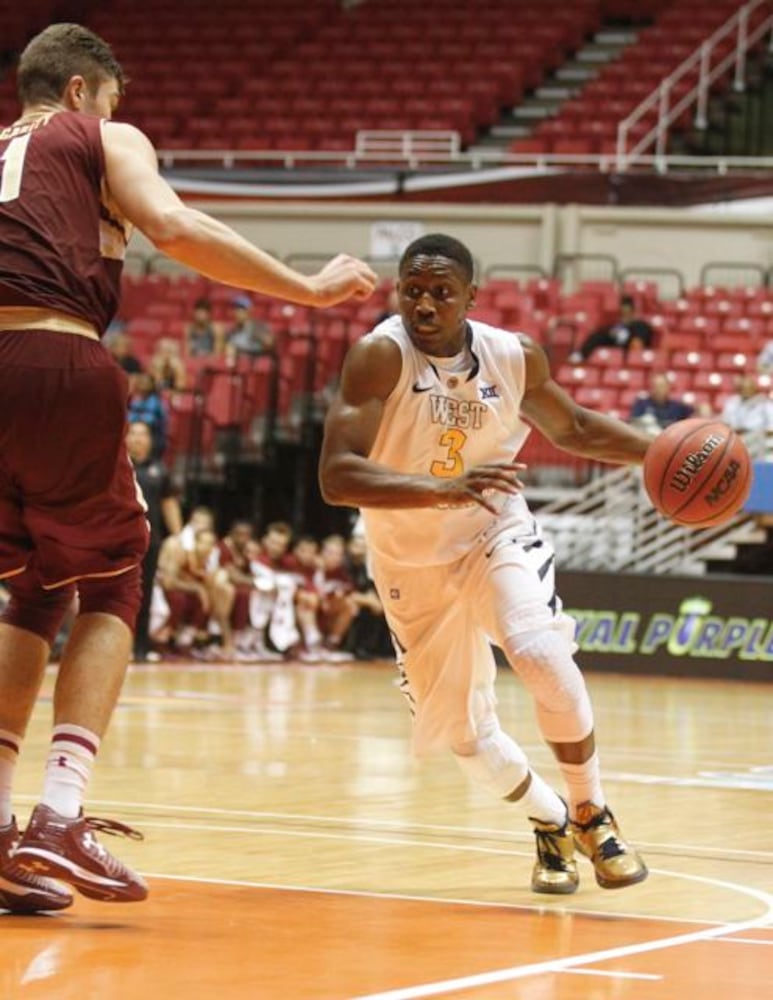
119 346
164 516
748 409
659 409
147 406
628 331
247 335
167 366
368 636
203 336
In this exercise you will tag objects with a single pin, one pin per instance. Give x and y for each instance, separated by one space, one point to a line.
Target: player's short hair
440 245
57 54
279 528
627 300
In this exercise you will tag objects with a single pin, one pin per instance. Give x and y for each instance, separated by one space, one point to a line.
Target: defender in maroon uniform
72 183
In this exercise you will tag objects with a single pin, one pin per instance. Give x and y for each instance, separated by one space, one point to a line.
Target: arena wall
684 239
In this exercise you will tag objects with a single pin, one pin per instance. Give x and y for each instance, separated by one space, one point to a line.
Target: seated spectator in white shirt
749 409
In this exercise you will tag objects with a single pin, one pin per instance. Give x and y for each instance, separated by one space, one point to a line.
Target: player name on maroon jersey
63 238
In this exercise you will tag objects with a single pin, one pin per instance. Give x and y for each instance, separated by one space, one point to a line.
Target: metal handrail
615 503
409 143
513 270
654 273
498 165
741 267
700 59
563 261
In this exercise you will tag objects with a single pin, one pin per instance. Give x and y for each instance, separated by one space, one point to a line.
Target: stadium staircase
587 122
609 525
517 128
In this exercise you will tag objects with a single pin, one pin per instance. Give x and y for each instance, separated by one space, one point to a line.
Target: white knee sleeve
493 761
543 661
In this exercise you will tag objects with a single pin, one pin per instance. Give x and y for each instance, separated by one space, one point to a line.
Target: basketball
697 472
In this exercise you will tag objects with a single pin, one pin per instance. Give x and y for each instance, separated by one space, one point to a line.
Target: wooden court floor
295 850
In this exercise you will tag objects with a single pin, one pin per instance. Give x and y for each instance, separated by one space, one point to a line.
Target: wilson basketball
698 472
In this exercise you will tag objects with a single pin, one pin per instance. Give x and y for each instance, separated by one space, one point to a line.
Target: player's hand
342 278
479 484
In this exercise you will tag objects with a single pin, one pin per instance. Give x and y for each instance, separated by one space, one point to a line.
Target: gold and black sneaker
555 870
597 836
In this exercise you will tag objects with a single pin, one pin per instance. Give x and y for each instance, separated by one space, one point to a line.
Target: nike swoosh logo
421 388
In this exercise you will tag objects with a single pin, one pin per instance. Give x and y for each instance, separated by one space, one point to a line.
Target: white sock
10 744
312 637
542 803
583 782
68 768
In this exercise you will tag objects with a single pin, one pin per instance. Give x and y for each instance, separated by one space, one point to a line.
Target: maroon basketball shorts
185 608
68 497
240 613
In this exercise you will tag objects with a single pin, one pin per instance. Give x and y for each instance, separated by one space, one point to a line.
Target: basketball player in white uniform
423 437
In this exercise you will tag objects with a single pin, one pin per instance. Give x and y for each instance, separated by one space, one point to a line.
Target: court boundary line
540 907
356 821
552 966
721 927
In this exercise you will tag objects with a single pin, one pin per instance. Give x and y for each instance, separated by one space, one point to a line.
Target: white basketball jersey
443 423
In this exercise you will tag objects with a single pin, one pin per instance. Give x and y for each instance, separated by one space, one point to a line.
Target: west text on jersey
467 414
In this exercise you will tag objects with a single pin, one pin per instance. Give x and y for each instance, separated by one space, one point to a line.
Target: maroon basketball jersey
62 240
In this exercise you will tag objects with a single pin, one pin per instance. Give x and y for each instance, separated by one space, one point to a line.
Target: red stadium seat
736 361
572 376
692 360
597 398
624 378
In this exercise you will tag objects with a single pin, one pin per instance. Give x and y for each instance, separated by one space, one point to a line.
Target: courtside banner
717 626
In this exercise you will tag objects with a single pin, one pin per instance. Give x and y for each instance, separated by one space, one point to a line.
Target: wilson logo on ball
694 462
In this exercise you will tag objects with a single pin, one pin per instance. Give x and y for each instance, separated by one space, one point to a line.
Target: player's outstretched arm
209 246
570 426
349 478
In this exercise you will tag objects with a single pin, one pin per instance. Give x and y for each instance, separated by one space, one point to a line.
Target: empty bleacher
237 76
587 122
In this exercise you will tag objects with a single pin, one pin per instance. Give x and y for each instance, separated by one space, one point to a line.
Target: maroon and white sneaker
63 848
21 892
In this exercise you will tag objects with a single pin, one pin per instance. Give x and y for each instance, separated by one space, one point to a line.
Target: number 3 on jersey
453 464
13 165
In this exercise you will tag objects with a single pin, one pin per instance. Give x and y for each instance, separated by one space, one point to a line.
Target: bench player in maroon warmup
72 184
